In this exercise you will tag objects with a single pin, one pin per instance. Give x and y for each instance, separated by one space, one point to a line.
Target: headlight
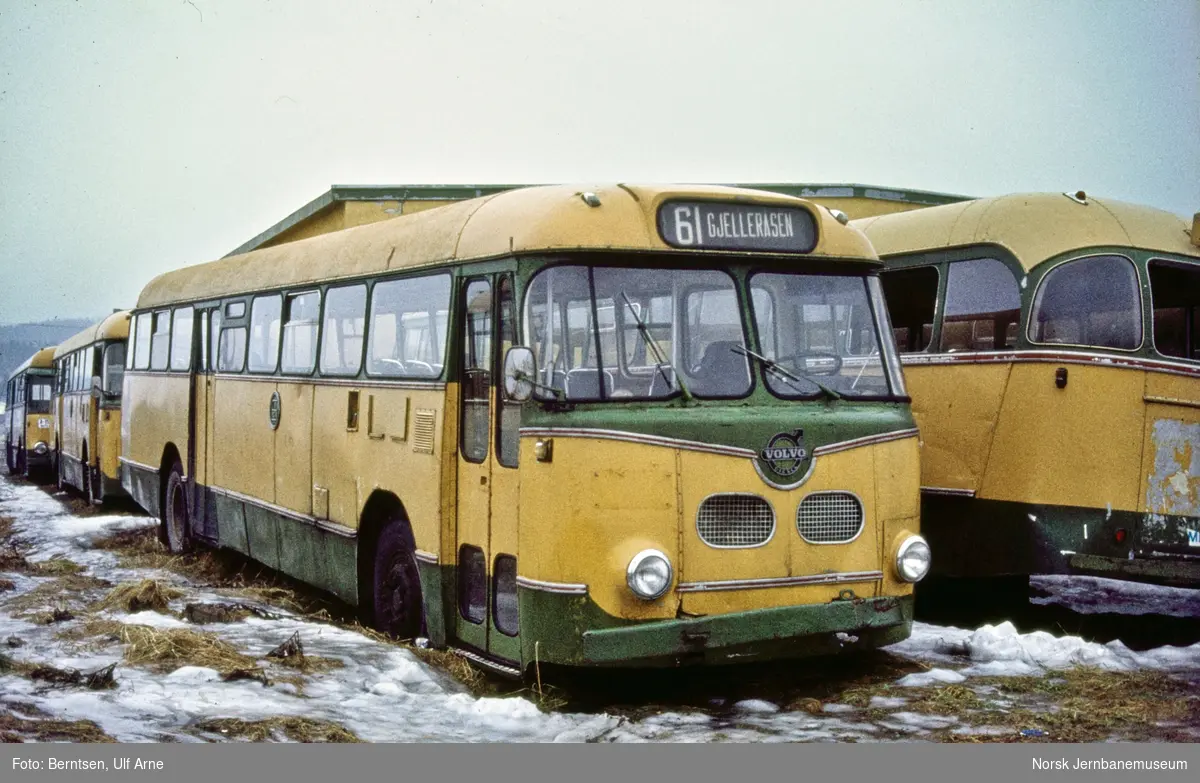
649 574
913 559
40 448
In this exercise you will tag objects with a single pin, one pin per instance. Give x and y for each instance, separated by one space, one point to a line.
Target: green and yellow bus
627 425
28 429
1052 346
89 369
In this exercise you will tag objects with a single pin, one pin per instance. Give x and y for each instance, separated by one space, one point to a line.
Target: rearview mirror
520 368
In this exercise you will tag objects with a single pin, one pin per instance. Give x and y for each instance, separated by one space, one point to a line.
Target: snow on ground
385 693
1095 595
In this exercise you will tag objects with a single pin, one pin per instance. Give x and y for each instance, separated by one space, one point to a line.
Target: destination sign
707 225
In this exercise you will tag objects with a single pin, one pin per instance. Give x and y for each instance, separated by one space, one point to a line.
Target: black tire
8 459
176 533
58 467
21 461
397 586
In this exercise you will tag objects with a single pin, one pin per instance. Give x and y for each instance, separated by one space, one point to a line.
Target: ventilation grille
735 521
424 423
829 518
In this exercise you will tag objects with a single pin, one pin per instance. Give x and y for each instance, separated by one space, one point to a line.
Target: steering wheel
800 362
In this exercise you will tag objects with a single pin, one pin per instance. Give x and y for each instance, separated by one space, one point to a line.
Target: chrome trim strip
1060 357
426 557
867 440
963 493
779 581
487 662
561 588
314 380
635 437
133 464
323 524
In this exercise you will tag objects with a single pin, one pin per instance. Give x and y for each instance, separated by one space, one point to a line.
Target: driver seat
722 371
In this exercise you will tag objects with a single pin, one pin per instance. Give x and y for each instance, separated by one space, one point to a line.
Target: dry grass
291 727
137 597
17 729
48 595
55 566
5 527
6 585
167 649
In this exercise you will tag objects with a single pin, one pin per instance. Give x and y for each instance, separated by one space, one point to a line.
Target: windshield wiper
785 374
660 357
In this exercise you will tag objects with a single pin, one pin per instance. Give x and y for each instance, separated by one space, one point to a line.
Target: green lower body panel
974 537
571 630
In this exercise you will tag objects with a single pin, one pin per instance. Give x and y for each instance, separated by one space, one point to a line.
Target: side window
408 327
508 443
264 333
342 338
160 340
472 583
983 305
911 296
476 370
1089 301
214 337
505 611
1175 292
114 368
181 342
232 349
141 346
302 312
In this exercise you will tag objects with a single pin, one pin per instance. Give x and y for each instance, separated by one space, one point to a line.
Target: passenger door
486 540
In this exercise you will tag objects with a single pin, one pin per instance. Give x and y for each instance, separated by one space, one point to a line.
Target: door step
499 666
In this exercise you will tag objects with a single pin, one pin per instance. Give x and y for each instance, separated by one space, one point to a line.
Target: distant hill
20 341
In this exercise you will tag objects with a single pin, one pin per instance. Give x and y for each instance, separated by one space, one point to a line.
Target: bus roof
113 327
42 360
1033 226
536 219
345 206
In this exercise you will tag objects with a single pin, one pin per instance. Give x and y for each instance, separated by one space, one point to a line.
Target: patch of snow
1096 595
756 705
931 677
886 702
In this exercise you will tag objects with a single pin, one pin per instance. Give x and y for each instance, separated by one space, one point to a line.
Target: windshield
644 334
822 332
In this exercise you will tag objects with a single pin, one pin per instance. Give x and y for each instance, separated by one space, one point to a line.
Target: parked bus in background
89 368
1052 346
622 426
27 424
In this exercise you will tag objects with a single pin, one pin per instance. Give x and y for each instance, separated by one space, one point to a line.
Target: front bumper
783 632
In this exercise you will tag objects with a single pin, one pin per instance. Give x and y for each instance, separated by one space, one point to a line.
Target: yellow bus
1052 346
89 369
27 425
622 426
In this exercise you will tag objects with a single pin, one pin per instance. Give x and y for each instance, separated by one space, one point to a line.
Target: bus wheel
21 461
8 460
175 511
397 590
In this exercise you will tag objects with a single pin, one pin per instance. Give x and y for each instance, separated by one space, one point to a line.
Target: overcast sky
137 136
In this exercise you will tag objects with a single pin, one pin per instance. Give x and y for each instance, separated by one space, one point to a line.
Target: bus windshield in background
822 334
38 391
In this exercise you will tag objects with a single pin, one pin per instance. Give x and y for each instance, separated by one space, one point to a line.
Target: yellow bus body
28 427
87 408
1054 454
303 471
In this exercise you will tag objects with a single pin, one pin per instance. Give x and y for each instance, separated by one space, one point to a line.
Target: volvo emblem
275 411
785 452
